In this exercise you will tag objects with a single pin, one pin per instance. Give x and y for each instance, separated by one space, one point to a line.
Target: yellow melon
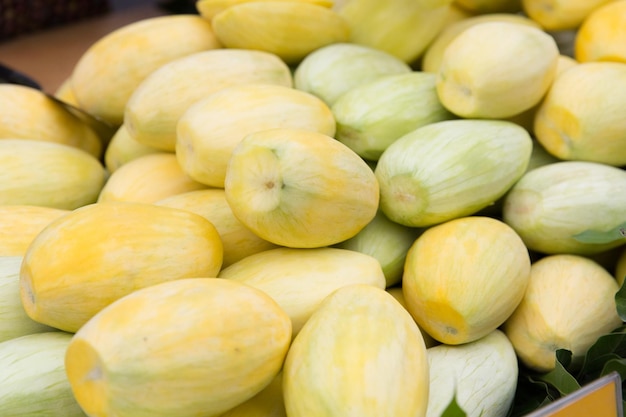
464 278
148 178
602 35
545 321
560 15
208 131
124 148
48 174
397 293
238 241
571 125
299 279
87 259
19 224
402 28
27 113
155 107
359 354
209 8
431 60
496 69
185 348
300 188
289 29
111 68
14 322
267 403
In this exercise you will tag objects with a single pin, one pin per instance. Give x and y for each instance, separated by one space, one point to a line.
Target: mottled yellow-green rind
581 117
124 148
360 354
238 241
33 378
332 70
209 131
209 8
14 322
552 204
559 15
386 241
158 102
147 179
371 116
27 113
480 375
545 321
197 346
300 188
20 224
496 69
291 30
48 174
415 24
267 403
299 279
464 278
450 169
434 53
108 72
85 260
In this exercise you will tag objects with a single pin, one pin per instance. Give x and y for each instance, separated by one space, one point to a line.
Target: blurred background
45 38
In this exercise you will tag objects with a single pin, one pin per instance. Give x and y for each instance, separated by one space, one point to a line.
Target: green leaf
608 347
615 365
453 409
620 301
530 394
602 237
564 382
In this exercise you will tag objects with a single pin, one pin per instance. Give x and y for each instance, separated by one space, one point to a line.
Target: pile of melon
315 208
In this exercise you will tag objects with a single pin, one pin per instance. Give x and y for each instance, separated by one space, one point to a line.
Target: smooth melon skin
267 403
480 375
28 113
387 241
464 278
210 8
110 70
289 29
33 381
332 70
20 224
14 322
415 24
238 241
94 255
209 130
560 207
147 179
48 174
300 279
359 355
124 148
396 292
433 55
569 303
300 188
153 110
185 348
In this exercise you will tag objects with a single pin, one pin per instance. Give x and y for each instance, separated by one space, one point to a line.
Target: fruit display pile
308 208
